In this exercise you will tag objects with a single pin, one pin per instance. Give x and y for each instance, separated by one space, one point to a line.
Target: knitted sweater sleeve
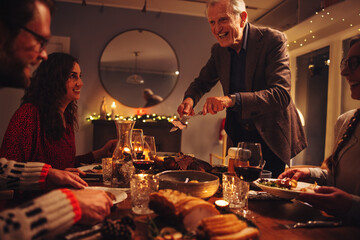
17 175
43 218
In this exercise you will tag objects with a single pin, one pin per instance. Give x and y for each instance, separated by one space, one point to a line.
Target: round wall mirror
138 68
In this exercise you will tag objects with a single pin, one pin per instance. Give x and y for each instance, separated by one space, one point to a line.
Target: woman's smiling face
74 84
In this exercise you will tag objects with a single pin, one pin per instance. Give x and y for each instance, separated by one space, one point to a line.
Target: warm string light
324 15
142 118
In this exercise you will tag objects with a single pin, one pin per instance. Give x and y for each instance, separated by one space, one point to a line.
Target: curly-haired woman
42 129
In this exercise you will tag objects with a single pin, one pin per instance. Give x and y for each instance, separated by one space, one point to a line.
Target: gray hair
238 6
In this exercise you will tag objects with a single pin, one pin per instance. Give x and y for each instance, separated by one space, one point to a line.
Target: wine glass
149 147
140 162
248 165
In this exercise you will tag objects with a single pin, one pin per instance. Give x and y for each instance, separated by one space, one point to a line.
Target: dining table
269 215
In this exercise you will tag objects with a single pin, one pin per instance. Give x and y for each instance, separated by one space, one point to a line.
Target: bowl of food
195 183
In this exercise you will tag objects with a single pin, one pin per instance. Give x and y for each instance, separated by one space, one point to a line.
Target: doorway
311 100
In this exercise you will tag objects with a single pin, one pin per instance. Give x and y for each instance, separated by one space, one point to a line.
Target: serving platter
157 224
283 192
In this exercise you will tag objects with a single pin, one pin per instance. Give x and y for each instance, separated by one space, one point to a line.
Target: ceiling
261 12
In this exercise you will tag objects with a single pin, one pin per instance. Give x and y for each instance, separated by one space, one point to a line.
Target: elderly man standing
252 65
24 31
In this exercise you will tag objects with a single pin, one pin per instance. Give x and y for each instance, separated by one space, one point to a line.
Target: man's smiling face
226 26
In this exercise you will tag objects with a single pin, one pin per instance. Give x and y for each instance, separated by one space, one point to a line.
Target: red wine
143 164
248 174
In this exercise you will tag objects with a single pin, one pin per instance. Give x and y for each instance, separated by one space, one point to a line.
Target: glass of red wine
140 163
248 165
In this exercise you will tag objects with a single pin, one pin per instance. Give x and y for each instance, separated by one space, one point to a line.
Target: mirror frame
158 35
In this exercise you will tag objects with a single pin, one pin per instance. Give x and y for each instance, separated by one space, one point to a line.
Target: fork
185 118
311 224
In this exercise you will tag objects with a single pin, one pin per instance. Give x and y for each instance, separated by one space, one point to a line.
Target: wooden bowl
195 183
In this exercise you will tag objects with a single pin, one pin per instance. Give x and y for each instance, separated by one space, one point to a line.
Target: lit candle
221 204
113 106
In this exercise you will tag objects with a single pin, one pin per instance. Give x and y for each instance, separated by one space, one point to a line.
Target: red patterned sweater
24 142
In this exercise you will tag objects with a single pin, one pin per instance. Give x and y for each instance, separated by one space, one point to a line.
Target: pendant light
135 78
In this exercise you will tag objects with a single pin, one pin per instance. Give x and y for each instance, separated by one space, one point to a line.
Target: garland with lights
141 118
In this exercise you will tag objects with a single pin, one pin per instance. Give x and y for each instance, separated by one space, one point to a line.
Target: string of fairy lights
319 16
141 118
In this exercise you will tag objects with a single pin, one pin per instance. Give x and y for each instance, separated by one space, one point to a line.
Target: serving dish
196 183
283 192
119 194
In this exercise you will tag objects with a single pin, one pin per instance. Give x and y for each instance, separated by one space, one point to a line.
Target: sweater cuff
74 203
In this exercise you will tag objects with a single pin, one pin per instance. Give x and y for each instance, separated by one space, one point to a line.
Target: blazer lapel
254 45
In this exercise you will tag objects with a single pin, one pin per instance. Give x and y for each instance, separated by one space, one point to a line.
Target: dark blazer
266 101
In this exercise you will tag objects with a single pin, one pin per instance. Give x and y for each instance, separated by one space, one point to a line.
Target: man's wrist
233 99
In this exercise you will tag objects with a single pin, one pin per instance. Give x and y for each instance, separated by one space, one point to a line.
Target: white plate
119 194
90 167
282 192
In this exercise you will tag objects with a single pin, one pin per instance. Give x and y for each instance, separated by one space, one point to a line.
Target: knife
85 233
313 224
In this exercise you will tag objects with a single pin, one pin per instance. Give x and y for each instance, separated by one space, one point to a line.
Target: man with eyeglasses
338 177
24 33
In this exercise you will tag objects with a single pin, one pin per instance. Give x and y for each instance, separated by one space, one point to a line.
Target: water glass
141 185
235 191
107 170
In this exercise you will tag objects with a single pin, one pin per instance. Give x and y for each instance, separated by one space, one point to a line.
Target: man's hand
106 151
329 199
214 105
60 178
95 205
296 173
186 107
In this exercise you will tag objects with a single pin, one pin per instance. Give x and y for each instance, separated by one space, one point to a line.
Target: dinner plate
85 168
283 192
119 194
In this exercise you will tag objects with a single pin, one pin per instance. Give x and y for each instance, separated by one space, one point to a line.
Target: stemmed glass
149 147
140 162
248 165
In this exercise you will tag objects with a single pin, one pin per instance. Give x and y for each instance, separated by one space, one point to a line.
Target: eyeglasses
351 62
42 40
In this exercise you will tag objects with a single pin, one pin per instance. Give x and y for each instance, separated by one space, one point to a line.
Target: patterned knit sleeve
16 175
43 218
21 136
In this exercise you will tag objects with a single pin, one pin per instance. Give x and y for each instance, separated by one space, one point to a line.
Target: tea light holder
221 204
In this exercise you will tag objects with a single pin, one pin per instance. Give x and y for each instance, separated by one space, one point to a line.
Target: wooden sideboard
166 141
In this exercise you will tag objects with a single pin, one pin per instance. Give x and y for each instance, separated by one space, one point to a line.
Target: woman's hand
75 171
296 173
95 205
60 178
329 199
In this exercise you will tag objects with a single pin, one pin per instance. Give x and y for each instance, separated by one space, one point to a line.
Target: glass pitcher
122 167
